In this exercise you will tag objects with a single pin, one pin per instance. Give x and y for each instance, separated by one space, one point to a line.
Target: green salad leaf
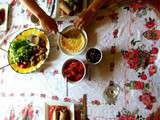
21 51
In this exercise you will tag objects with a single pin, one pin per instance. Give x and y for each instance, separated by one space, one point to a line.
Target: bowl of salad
28 50
73 70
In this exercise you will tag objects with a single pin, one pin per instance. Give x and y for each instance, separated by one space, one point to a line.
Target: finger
76 19
53 32
52 28
81 25
76 22
79 21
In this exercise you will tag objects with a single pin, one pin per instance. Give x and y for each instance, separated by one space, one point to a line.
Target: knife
53 7
85 107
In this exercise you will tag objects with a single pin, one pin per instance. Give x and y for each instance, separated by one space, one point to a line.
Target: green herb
21 51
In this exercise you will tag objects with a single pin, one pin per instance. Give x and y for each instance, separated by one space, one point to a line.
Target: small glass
111 93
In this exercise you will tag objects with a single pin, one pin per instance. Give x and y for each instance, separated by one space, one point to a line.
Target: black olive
93 55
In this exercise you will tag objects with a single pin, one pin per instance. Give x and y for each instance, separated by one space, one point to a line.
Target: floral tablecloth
128 36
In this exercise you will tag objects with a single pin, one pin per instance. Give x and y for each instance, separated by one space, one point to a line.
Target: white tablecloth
48 83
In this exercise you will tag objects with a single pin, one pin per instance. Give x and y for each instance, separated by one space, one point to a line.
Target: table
119 32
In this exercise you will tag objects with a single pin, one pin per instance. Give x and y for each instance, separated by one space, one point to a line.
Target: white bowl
66 62
75 53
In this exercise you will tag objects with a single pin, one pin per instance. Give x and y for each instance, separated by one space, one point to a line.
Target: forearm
96 5
33 7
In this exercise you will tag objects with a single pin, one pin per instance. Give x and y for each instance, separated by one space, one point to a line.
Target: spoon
4 50
4 66
66 79
64 35
7 64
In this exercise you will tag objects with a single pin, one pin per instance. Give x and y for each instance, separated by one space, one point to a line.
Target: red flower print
147 100
12 115
132 65
139 58
55 72
127 117
143 76
135 51
115 33
67 100
55 98
139 85
135 60
152 34
131 117
13 2
5 42
125 54
113 49
96 102
28 112
152 59
150 23
154 116
152 70
123 117
136 6
154 50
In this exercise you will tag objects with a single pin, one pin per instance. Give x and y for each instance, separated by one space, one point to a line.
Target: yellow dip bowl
75 42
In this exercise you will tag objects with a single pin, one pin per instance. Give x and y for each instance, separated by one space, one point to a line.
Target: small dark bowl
94 55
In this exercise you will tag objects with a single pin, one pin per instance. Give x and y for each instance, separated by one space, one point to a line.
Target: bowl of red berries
73 70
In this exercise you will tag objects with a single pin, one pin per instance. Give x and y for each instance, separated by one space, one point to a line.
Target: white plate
68 104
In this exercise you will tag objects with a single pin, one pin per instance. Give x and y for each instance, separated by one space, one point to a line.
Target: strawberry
78 77
69 75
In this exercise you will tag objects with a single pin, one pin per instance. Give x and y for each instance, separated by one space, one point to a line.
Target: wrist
92 10
41 14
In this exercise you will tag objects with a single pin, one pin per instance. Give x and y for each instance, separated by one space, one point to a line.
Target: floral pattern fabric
128 36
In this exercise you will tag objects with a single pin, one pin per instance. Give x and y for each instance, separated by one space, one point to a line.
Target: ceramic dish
94 55
28 51
76 41
50 106
73 70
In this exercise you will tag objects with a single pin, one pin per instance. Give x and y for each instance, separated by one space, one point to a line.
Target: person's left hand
84 18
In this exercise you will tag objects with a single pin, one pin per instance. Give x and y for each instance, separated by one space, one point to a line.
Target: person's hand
84 18
154 3
48 23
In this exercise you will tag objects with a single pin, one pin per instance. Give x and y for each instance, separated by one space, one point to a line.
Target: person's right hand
48 23
84 18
